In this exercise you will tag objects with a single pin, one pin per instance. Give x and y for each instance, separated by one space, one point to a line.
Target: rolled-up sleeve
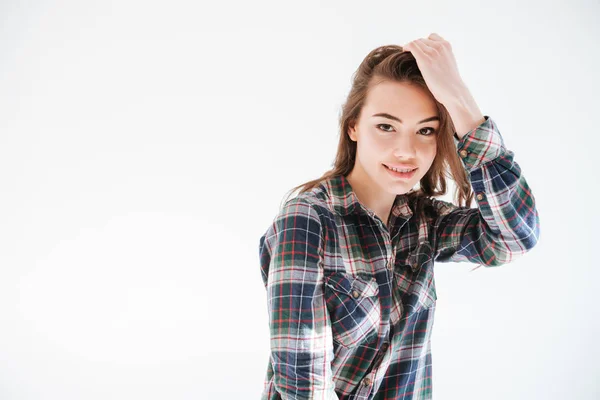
291 254
506 222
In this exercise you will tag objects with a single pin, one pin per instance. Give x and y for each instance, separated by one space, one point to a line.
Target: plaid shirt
351 301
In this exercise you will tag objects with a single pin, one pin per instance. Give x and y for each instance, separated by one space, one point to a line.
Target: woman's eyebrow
389 116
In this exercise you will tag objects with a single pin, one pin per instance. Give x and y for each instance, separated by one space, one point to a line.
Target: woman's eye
429 134
385 130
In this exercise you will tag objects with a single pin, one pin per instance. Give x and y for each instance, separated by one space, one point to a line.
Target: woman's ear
352 131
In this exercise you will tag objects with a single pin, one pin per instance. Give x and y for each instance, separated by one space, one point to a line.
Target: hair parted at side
392 63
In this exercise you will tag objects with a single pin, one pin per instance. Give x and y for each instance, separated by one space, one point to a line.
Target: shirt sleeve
506 222
300 329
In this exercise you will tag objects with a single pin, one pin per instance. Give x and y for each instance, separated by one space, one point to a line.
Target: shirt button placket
391 261
365 387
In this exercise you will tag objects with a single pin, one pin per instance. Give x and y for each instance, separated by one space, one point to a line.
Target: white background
145 147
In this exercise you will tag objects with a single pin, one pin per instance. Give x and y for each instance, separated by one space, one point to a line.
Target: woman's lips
401 175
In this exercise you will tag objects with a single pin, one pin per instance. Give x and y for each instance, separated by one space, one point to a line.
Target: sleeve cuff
480 145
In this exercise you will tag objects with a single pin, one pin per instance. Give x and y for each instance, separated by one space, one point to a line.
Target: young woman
348 263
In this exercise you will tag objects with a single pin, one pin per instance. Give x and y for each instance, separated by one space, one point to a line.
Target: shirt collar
344 201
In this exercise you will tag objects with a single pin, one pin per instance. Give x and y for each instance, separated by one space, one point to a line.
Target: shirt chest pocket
419 280
354 308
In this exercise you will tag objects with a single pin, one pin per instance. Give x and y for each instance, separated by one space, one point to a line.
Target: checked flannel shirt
351 302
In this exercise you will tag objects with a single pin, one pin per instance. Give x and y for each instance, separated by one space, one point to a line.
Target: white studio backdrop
145 147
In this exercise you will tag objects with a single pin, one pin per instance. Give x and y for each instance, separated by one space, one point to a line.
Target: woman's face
384 140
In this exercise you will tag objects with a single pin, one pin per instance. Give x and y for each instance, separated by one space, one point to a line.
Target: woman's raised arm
506 223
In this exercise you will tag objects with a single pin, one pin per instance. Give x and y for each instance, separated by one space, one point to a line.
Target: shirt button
355 294
390 265
463 153
480 196
366 381
415 265
384 347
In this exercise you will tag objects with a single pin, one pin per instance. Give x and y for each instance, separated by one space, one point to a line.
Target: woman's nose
404 146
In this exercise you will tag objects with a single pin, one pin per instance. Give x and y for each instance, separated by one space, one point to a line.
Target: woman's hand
437 65
439 69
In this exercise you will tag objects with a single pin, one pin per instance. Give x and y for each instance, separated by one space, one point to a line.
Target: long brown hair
392 63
